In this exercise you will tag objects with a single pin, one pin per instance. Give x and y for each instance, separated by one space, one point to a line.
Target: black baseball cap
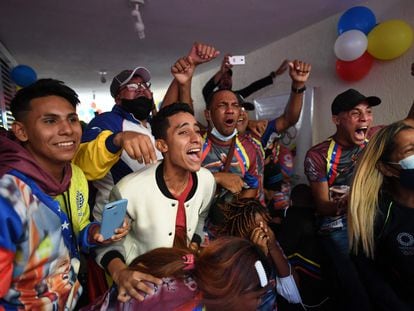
125 76
349 99
245 104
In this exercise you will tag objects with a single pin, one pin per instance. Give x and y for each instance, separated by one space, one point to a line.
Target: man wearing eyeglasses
120 141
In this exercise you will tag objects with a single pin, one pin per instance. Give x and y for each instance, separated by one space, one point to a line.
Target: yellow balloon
390 39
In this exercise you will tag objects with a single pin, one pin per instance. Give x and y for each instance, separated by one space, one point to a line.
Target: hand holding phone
237 60
112 217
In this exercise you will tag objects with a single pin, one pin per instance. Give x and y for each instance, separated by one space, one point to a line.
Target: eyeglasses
138 86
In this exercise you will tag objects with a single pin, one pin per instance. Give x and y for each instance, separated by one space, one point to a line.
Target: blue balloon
359 18
23 75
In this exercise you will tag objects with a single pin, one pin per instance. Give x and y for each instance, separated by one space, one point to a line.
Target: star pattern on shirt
65 225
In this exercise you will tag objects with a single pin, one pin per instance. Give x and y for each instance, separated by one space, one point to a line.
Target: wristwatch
298 90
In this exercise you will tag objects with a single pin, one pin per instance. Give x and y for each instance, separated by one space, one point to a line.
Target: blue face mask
220 136
407 163
407 172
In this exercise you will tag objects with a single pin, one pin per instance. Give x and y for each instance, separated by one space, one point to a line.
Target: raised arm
183 70
299 73
263 82
211 84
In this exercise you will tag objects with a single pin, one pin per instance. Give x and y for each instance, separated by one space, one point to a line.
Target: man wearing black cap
329 167
122 137
332 161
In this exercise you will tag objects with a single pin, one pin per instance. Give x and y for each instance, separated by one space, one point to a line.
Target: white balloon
350 45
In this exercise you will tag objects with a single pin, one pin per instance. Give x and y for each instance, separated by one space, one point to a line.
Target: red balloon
356 69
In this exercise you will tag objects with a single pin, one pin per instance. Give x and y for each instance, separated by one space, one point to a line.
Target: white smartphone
112 217
237 60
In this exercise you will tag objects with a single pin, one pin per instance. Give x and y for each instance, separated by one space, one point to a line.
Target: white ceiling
72 40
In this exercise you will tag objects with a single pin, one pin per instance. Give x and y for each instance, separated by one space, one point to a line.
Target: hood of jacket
13 156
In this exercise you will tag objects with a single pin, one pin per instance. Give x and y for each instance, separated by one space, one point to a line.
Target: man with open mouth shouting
167 202
329 167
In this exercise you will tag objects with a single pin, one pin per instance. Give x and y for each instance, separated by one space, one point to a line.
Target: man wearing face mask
233 163
124 131
223 154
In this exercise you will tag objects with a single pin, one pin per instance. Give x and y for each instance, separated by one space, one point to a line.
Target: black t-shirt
394 247
389 277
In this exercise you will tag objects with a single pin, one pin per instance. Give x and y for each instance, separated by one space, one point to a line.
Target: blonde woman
381 218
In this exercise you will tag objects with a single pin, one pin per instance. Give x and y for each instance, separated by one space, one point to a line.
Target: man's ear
387 170
335 120
161 145
207 114
118 98
19 131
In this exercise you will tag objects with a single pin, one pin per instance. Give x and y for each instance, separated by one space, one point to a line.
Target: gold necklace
176 190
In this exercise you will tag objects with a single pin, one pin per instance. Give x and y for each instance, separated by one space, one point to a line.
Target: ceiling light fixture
139 24
102 74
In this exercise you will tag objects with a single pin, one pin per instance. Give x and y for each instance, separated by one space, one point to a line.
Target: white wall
390 80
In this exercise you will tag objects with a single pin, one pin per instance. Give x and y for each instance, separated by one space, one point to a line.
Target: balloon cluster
23 75
361 39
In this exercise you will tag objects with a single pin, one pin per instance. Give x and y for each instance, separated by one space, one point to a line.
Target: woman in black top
381 218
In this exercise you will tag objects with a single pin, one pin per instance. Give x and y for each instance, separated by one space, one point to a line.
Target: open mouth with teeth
66 144
361 133
194 154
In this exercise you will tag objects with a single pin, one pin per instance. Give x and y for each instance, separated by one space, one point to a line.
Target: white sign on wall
299 136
